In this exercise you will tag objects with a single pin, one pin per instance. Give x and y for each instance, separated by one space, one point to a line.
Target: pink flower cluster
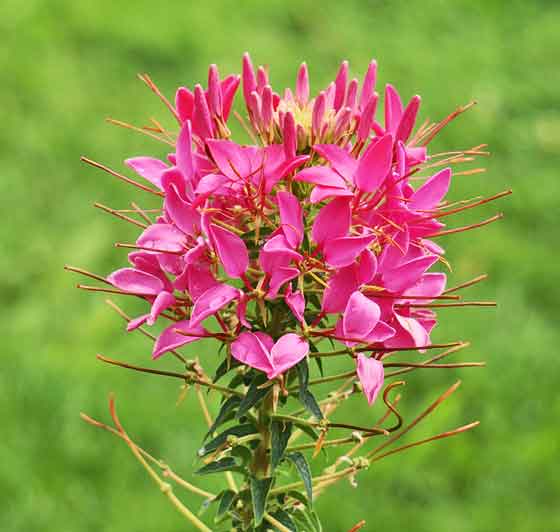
312 231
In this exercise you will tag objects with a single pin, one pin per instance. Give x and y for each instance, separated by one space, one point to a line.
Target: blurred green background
67 65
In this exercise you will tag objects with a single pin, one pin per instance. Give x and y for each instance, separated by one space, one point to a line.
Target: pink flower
371 374
259 351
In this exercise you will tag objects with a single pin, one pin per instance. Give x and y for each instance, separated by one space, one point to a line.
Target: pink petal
137 322
339 159
296 303
432 191
201 120
375 164
280 276
291 216
340 82
229 156
183 215
162 237
407 274
367 266
184 103
184 151
136 282
333 221
286 353
249 79
408 119
320 193
211 301
368 86
163 301
169 340
340 287
371 374
429 285
360 316
381 332
229 88
250 350
302 85
393 109
321 175
265 339
414 330
149 168
367 119
231 250
342 252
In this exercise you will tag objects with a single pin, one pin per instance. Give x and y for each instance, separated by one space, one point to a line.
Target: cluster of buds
321 232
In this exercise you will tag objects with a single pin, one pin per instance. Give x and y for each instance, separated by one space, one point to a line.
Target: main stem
261 459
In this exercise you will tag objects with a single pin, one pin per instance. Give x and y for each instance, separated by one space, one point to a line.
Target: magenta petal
381 332
291 216
333 221
418 334
232 251
136 282
163 301
280 276
374 165
360 316
184 102
162 237
340 287
321 175
229 155
137 322
184 151
169 339
320 193
408 119
296 303
149 168
429 285
286 353
408 273
371 374
342 252
339 158
211 301
432 191
183 215
250 350
393 109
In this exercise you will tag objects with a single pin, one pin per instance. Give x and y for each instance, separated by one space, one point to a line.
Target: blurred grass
66 65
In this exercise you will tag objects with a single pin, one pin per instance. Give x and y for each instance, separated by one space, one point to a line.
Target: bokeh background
66 65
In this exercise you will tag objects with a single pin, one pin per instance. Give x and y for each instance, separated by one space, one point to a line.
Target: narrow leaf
299 460
224 414
225 502
253 396
239 430
225 464
280 434
259 494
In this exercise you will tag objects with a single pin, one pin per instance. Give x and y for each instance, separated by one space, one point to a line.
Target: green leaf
298 496
259 493
254 395
305 396
227 365
225 414
304 472
284 518
280 434
219 466
239 430
225 502
307 520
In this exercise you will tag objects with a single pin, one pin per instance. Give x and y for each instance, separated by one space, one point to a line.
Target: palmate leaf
259 493
306 520
299 460
226 499
283 517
